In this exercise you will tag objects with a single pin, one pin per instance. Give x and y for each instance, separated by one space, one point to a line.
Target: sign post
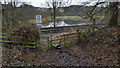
39 21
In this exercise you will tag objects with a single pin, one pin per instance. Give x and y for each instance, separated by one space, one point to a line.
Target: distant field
46 20
58 18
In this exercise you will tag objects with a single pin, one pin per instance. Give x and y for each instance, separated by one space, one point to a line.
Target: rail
63 40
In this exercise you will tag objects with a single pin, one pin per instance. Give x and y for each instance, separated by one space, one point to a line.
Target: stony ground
101 48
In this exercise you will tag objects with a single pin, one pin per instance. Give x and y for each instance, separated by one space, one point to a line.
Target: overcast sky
37 3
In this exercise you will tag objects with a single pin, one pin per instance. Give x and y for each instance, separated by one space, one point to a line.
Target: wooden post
78 37
64 39
60 40
39 36
48 41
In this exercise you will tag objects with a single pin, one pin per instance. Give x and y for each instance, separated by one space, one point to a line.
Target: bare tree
112 11
10 17
113 14
14 14
54 7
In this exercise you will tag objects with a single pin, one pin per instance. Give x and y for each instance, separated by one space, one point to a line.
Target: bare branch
55 5
98 3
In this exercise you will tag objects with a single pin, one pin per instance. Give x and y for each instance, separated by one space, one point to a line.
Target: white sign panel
38 19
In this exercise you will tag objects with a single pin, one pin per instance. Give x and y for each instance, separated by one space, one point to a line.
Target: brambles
25 35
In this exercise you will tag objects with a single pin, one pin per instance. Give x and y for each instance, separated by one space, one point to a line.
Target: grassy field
49 19
59 18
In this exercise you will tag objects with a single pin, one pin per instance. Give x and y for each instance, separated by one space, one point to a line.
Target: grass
29 46
45 20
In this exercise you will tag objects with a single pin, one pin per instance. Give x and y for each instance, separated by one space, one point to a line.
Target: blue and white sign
38 19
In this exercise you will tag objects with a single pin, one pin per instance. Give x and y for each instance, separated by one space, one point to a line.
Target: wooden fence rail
6 39
63 40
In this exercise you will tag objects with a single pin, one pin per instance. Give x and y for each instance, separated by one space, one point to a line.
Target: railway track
52 30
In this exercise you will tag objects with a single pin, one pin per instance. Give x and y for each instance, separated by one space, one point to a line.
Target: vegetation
114 14
74 46
54 7
97 48
25 34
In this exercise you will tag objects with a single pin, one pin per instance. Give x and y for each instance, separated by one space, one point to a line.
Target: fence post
64 39
60 40
50 40
78 37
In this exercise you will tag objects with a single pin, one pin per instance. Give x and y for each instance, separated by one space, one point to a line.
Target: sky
37 3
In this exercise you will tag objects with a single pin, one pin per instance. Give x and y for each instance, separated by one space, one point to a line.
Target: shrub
25 34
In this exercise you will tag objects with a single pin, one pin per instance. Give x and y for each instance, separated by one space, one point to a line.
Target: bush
25 34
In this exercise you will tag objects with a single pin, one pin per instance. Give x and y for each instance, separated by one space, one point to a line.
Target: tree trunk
113 21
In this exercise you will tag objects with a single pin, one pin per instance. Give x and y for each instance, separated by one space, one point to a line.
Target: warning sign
38 19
